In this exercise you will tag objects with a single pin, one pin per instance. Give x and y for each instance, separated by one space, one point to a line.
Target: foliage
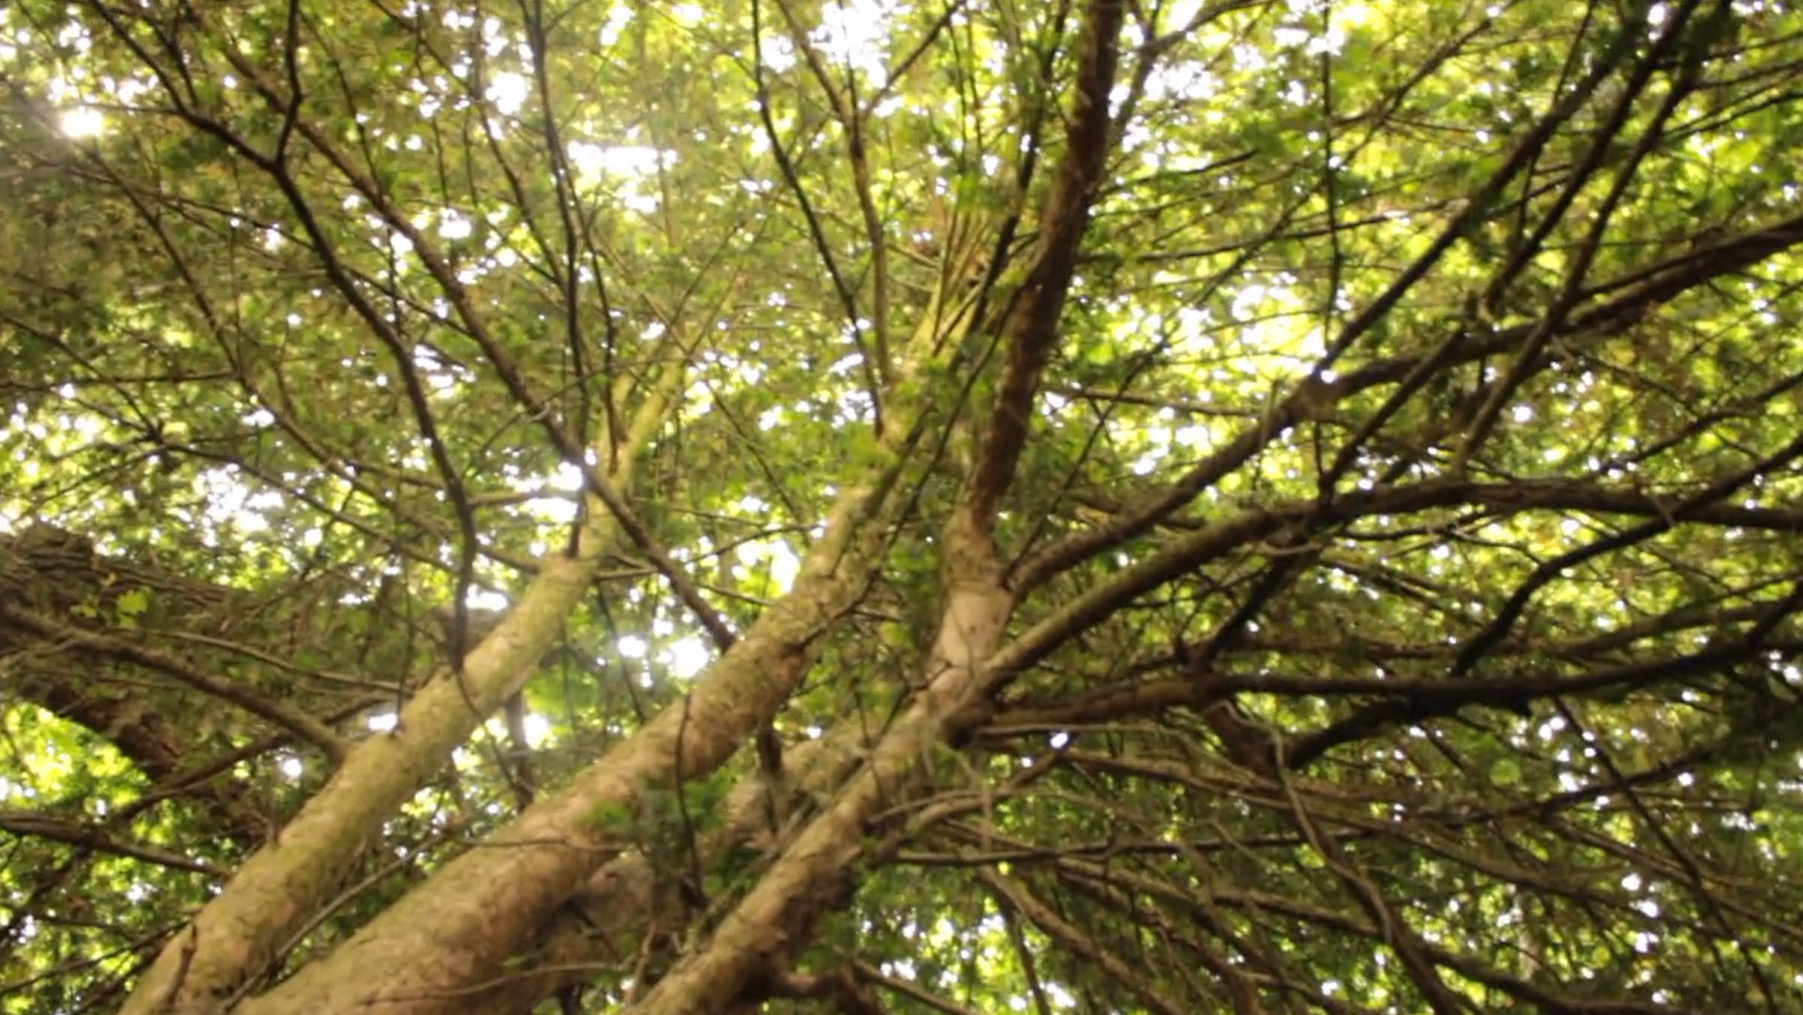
1198 507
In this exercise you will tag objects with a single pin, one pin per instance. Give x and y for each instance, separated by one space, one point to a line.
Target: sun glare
82 122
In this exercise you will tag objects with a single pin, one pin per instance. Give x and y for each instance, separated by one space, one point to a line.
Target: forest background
948 507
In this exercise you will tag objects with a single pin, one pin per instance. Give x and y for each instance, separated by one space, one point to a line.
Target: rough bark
235 937
460 929
62 649
757 943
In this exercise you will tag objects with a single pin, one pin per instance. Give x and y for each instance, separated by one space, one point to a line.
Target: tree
957 507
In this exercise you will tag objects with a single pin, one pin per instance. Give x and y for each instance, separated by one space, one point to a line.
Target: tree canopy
1095 506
